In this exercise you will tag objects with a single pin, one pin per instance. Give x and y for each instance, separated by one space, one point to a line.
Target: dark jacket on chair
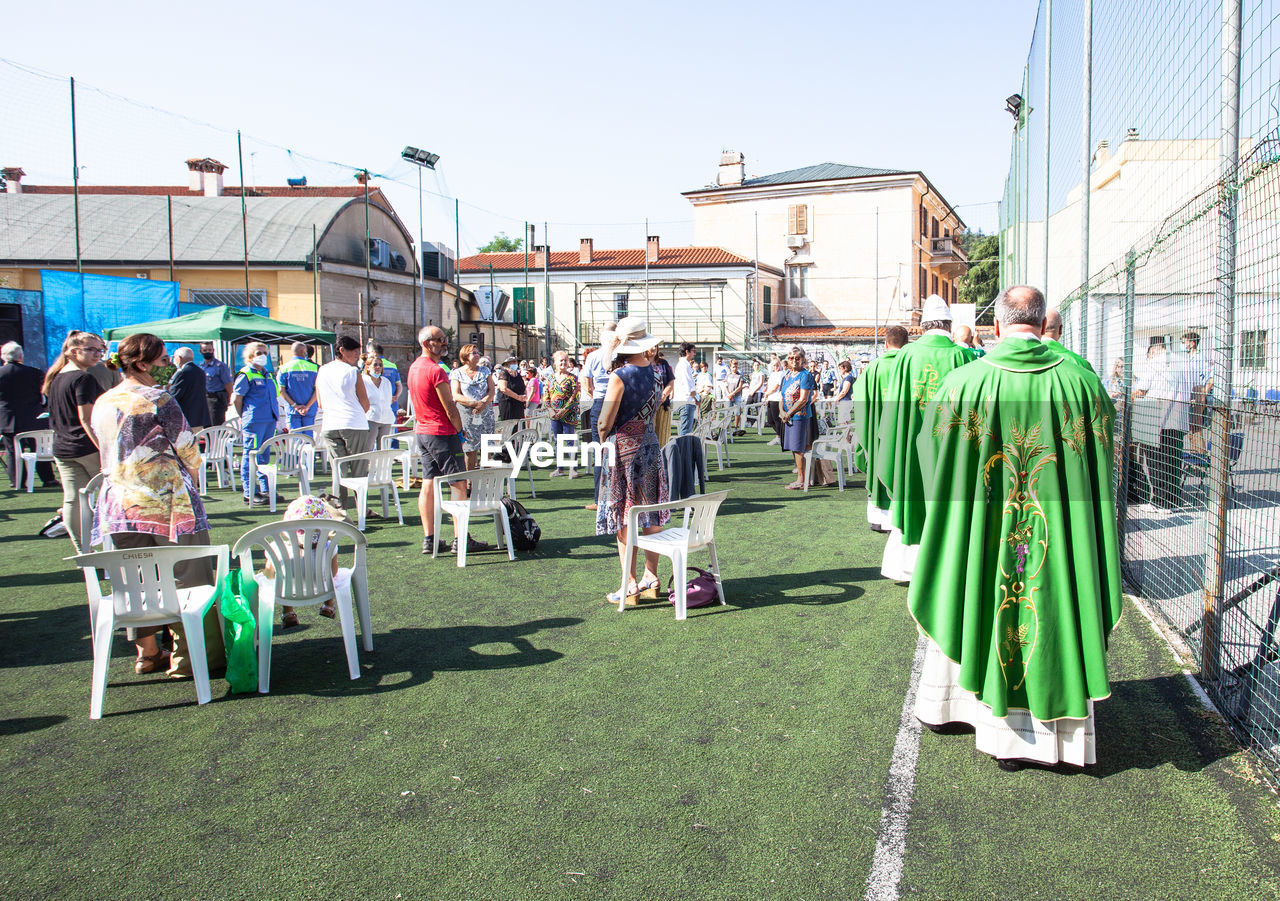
686 467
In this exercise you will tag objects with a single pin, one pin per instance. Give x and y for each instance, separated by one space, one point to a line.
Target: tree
982 282
502 244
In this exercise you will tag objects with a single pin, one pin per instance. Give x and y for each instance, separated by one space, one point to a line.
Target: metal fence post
1220 453
1086 181
1126 403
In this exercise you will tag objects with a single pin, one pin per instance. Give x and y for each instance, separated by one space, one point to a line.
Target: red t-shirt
429 412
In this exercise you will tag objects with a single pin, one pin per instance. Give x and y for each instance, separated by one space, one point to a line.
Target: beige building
307 252
821 226
702 294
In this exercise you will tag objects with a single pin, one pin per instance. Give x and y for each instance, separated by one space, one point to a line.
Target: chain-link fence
1165 262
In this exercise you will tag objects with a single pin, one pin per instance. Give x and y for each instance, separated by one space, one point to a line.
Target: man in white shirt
721 377
682 398
344 408
1167 384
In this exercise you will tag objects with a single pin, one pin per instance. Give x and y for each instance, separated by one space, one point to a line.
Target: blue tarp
99 302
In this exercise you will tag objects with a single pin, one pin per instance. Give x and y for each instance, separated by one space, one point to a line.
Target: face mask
260 361
207 354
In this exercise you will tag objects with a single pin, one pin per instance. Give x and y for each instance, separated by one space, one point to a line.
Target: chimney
1131 135
584 251
732 169
362 176
12 179
1102 152
651 252
539 256
531 236
206 176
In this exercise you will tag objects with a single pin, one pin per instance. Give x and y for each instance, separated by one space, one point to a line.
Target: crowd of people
989 470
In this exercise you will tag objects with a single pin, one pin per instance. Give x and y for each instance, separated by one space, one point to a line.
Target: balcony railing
947 247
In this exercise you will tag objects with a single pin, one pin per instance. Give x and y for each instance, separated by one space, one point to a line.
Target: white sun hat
633 336
935 310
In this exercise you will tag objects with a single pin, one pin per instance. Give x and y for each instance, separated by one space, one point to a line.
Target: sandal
158 660
289 621
794 486
326 609
649 590
632 599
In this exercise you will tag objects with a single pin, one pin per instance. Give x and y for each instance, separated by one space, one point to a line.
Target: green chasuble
912 385
1020 559
868 401
1062 350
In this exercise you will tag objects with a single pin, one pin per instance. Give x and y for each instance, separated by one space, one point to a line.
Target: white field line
891 841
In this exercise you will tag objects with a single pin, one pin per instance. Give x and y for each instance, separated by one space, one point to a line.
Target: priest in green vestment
868 402
1023 585
1052 339
915 379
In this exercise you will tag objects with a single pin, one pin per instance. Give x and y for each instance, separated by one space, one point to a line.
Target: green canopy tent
224 324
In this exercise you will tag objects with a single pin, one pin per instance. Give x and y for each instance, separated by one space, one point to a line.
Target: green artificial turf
513 737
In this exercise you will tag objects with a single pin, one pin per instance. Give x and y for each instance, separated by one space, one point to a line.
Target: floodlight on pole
423 159
420 157
1012 105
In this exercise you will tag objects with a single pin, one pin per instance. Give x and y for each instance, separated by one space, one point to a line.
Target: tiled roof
610 259
227 190
845 333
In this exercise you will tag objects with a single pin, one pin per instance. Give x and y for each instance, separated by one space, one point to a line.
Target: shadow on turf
317 667
802 589
46 637
22 724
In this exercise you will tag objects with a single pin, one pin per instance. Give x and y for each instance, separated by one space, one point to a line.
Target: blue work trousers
255 435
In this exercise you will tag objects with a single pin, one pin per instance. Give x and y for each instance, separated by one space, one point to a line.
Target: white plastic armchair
377 476
410 463
217 448
40 451
88 504
831 448
144 593
292 455
753 416
301 552
520 439
714 430
485 500
676 543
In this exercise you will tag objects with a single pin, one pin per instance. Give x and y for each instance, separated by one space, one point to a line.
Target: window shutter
802 219
791 219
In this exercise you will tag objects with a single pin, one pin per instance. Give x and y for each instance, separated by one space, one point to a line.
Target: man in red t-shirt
436 429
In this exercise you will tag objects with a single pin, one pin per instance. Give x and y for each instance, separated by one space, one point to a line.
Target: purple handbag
700 591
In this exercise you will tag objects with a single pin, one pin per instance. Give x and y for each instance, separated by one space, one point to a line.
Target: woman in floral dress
636 476
562 401
473 393
149 496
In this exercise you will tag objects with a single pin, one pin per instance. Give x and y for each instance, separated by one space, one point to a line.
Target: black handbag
525 530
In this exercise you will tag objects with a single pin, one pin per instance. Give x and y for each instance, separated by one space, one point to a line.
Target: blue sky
589 117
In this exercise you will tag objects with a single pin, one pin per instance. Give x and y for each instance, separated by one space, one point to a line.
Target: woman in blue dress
795 411
473 394
637 475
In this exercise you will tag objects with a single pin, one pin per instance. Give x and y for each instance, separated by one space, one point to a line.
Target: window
620 305
767 304
798 219
796 279
935 285
1253 350
924 285
924 222
525 310
934 231
209 298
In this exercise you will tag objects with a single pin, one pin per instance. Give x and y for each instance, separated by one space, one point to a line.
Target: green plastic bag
238 598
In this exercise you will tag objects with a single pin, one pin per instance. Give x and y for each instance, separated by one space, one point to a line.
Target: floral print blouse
149 464
562 398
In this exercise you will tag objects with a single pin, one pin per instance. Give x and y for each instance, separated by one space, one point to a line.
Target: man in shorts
436 438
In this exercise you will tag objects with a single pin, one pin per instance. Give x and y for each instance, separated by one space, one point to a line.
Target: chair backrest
143 589
524 436
380 463
301 551
388 441
486 486
89 502
217 440
41 440
508 428
293 452
700 516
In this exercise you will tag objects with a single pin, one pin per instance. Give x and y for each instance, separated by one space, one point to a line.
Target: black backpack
525 531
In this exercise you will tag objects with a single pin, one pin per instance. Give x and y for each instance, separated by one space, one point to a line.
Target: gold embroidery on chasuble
924 388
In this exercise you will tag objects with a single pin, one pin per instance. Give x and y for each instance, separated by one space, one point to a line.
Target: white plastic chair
714 430
378 477
485 500
753 417
144 593
830 448
41 451
217 447
290 456
301 552
697 532
519 440
88 504
410 462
